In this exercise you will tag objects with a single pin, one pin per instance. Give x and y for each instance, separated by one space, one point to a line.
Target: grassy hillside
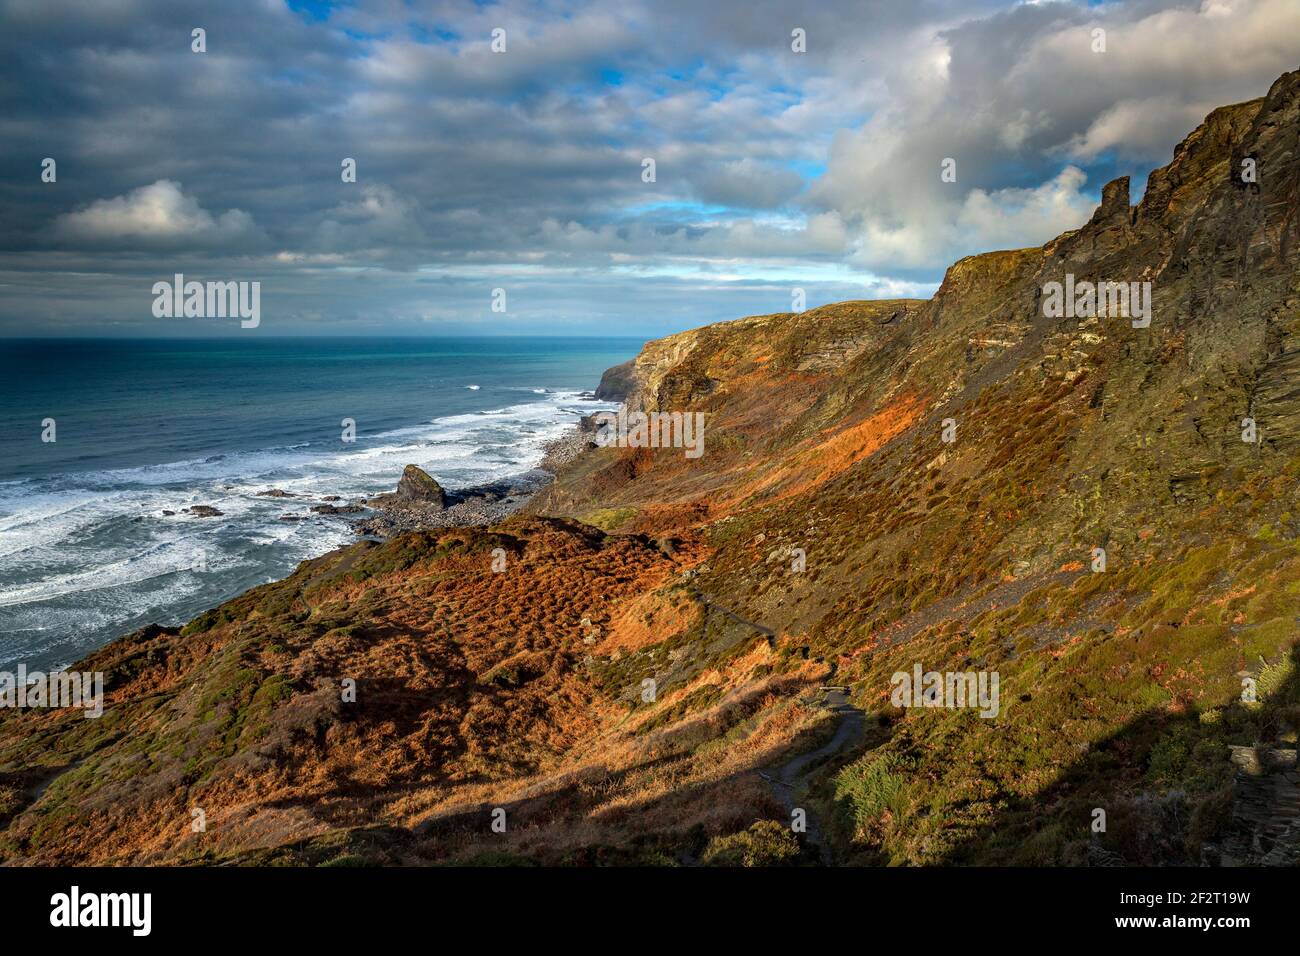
634 685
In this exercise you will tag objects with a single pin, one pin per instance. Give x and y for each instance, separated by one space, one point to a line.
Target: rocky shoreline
421 503
398 513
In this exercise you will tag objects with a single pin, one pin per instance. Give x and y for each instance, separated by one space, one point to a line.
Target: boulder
418 485
336 509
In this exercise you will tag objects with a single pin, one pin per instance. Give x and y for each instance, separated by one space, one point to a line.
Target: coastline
475 506
387 514
192 535
485 504
649 662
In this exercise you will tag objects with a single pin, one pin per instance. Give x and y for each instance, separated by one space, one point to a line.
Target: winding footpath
791 780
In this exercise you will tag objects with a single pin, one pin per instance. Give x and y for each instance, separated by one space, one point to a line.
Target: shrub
766 843
868 789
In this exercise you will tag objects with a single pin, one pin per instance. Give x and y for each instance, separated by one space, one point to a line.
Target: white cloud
1137 127
1005 217
159 212
1023 103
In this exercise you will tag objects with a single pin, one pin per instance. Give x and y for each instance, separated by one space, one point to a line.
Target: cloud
1033 115
154 214
1136 128
1005 217
475 168
747 183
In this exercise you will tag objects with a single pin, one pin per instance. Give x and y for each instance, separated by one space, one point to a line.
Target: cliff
627 671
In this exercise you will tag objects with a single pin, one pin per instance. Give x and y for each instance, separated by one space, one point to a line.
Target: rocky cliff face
617 383
968 484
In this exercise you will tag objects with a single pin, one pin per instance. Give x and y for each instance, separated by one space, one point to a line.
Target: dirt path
790 782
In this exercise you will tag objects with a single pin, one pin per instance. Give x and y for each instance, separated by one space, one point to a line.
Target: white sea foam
90 553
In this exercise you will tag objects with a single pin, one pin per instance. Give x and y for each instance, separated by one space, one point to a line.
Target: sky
524 169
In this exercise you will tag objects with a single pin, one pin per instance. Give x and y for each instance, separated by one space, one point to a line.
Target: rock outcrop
1264 827
617 383
416 484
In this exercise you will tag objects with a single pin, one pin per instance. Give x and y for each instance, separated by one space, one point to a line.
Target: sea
141 427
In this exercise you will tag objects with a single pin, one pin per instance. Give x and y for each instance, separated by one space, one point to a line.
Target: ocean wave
87 553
